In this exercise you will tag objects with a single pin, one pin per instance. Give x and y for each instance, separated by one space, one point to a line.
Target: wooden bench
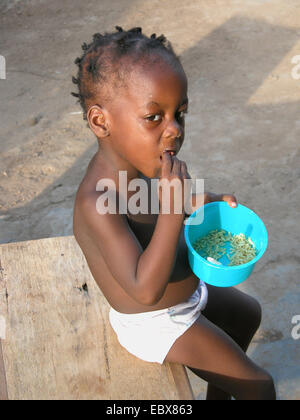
58 342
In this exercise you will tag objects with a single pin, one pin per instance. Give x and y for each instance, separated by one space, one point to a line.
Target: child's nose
174 130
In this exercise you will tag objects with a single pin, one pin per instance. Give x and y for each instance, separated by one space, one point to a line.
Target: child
133 92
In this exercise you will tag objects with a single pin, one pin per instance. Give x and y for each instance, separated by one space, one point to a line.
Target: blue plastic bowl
219 215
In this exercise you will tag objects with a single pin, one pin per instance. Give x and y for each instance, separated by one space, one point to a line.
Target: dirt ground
242 134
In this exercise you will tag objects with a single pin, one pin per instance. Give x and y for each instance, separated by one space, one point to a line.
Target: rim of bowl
225 267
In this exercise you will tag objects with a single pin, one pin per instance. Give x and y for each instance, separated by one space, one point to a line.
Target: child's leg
236 313
214 356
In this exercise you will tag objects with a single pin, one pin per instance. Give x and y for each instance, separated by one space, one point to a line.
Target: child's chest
142 224
143 227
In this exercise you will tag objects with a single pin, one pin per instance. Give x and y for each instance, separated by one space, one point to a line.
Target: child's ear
98 121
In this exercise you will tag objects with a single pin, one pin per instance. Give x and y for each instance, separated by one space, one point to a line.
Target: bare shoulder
90 214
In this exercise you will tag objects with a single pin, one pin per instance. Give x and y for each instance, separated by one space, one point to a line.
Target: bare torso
182 282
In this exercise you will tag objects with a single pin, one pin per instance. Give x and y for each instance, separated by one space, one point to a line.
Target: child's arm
157 261
143 274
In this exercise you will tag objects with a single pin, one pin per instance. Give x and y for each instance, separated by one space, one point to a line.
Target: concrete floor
242 134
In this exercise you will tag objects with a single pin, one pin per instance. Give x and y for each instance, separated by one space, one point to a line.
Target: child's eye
180 114
154 117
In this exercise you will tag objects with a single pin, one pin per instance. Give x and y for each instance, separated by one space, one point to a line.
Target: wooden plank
3 385
181 381
59 343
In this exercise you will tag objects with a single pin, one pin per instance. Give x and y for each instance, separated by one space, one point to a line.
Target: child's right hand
174 172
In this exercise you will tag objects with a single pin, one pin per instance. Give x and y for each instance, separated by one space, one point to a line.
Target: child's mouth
171 153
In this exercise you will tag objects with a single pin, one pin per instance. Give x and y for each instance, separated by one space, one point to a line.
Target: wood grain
3 384
59 343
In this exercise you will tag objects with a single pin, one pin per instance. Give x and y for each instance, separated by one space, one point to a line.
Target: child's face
148 117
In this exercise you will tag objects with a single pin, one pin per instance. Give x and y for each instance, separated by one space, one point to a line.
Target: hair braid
101 56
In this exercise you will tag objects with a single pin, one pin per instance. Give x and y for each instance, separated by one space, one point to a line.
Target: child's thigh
206 347
232 310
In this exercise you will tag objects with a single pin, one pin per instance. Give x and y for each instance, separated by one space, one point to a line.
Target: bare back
182 282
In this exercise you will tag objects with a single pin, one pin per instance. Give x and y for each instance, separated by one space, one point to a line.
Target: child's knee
255 314
248 320
265 387
260 388
250 313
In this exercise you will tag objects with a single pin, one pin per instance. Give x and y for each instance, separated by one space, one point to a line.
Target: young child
133 92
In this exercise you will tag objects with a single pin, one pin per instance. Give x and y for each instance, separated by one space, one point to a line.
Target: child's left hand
228 198
199 200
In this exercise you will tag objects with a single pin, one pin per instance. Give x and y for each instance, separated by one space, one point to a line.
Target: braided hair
100 64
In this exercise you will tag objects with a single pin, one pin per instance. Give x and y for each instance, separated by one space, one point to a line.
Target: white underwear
150 335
